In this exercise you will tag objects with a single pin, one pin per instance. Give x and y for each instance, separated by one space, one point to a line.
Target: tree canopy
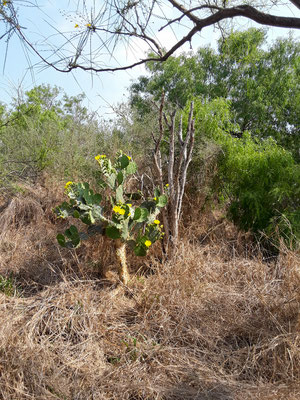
260 81
101 29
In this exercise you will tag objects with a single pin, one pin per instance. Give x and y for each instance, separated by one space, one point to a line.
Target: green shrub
46 130
262 184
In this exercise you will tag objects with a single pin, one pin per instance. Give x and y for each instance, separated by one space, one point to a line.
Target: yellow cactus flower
167 185
100 156
88 25
119 210
157 222
129 158
148 243
76 26
68 184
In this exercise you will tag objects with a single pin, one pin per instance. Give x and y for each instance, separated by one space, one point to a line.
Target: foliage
7 285
262 183
45 130
261 84
129 218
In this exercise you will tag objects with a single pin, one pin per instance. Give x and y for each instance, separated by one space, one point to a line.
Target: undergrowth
218 322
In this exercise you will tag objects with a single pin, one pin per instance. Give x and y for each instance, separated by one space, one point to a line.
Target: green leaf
119 194
76 214
140 250
112 232
111 180
120 178
88 196
85 219
137 214
123 160
162 201
97 212
144 215
72 232
149 205
75 242
131 168
61 240
97 198
63 210
125 232
156 192
140 214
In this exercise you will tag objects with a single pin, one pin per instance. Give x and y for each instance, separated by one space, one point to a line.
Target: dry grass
214 324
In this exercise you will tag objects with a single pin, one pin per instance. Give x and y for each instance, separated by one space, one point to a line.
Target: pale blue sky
102 90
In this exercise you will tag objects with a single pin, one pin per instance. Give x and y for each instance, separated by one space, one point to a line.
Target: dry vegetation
218 323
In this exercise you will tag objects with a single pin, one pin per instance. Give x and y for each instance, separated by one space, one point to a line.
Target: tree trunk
122 262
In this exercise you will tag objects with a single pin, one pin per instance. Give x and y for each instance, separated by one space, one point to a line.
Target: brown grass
217 323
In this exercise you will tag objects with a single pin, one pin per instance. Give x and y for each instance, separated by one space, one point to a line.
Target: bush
261 181
48 131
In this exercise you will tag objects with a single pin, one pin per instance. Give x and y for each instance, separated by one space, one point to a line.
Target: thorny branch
119 23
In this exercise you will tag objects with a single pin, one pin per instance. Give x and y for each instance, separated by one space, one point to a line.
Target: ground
220 321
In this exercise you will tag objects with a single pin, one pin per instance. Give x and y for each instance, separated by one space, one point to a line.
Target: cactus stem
122 261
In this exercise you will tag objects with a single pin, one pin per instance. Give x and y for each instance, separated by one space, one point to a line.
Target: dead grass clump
212 324
237 317
28 246
198 328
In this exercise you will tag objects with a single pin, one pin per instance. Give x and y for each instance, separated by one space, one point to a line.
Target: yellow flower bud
68 184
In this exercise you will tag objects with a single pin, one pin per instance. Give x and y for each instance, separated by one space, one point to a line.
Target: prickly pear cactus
131 221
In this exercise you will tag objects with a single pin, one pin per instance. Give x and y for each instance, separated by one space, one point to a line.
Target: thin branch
113 15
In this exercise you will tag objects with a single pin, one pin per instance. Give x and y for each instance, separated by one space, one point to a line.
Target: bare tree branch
119 23
296 3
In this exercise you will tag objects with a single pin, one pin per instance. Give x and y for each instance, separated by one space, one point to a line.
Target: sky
105 90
